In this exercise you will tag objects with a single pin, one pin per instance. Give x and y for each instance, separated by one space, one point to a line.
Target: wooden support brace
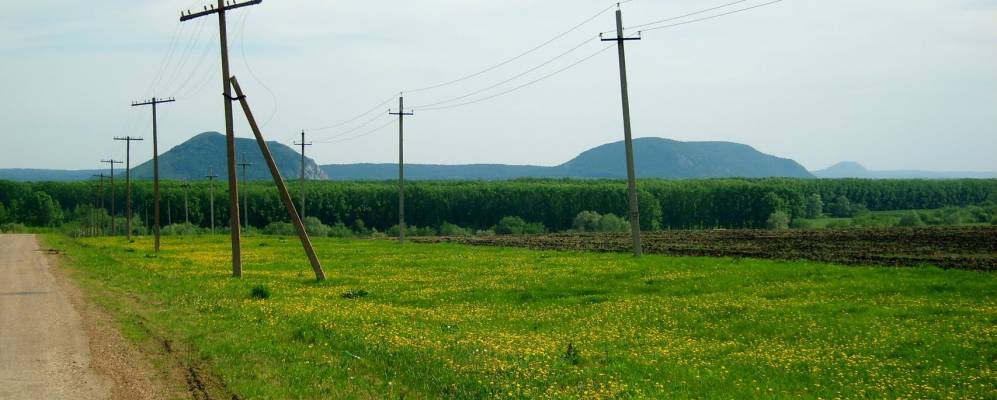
281 187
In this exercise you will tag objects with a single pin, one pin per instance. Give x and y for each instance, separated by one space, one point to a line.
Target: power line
368 133
364 114
521 55
525 85
169 56
710 17
544 64
669 19
184 57
242 49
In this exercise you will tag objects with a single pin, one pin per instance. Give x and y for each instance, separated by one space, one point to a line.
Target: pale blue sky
893 84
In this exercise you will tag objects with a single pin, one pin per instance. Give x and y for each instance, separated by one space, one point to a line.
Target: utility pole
114 228
401 166
245 195
631 174
211 184
100 201
128 182
186 211
233 185
285 197
155 161
302 144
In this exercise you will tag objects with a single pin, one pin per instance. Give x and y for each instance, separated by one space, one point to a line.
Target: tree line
664 204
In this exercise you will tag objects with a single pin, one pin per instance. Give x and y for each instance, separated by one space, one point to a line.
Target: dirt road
44 349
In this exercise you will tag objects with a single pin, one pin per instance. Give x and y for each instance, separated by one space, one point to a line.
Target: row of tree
714 203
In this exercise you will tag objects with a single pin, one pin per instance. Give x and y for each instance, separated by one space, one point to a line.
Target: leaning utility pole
303 144
211 184
401 166
155 161
114 227
233 186
128 182
186 211
285 197
245 194
631 174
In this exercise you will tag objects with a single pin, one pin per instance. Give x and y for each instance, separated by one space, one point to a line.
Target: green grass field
446 321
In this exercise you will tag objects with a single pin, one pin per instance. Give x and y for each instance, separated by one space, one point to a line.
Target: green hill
672 159
191 160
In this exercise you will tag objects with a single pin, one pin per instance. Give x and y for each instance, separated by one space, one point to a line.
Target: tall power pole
245 195
100 201
128 181
401 166
631 174
211 184
302 144
155 161
233 185
114 228
186 211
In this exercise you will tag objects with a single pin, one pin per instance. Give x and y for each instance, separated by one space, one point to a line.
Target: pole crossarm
152 101
208 10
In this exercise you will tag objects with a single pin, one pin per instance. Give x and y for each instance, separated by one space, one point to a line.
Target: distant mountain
665 158
191 160
851 169
654 158
43 175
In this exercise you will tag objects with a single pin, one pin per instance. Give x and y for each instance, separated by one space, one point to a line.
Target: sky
892 84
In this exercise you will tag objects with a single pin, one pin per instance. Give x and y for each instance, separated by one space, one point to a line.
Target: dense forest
664 204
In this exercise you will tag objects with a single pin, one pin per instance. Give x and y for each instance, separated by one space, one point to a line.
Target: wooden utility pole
128 181
114 227
281 187
155 161
401 166
211 184
233 185
245 194
100 202
186 211
628 138
303 144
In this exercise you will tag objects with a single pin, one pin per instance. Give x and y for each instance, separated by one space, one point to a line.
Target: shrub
411 230
586 221
13 228
911 219
448 229
315 227
4 215
591 221
280 229
184 229
261 292
361 228
510 226
340 231
517 226
800 223
778 220
612 223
